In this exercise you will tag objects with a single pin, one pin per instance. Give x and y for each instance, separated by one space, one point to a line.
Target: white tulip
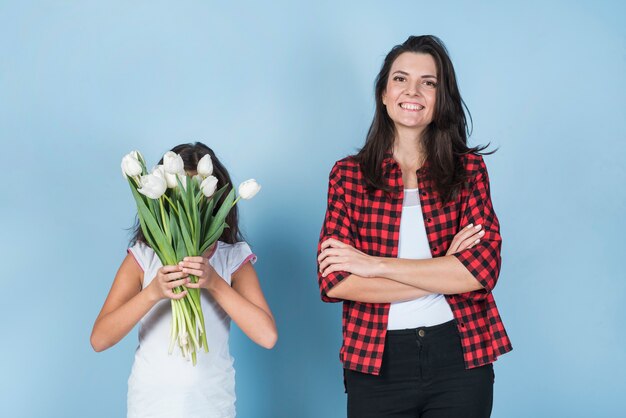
208 186
248 189
198 179
131 165
205 166
170 179
159 171
173 163
152 186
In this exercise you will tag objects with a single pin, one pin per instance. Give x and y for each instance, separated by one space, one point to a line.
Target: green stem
173 328
191 330
171 203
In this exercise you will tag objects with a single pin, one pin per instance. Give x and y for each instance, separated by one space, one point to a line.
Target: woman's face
411 91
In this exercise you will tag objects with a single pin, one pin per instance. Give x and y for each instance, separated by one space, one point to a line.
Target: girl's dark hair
192 153
444 140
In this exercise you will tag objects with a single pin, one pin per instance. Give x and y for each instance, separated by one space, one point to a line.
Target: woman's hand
466 238
338 256
166 280
199 267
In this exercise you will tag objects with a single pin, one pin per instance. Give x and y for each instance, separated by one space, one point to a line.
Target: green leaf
195 218
218 220
184 228
214 237
206 215
160 240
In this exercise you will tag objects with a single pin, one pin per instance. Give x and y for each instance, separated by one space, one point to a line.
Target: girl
162 385
411 245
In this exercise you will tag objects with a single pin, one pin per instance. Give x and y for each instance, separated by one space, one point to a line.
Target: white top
428 310
168 386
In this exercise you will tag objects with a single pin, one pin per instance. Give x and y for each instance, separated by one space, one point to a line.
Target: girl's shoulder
233 256
143 254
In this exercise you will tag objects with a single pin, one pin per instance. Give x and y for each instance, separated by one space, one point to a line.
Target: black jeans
423 375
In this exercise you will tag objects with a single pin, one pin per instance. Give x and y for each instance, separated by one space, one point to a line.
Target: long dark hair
192 153
444 139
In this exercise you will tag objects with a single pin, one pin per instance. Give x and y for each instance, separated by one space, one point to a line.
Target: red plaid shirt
371 223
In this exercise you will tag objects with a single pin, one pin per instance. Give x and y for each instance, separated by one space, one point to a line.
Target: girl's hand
466 238
166 279
338 256
199 267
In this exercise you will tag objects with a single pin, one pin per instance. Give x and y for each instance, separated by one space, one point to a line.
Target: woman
411 245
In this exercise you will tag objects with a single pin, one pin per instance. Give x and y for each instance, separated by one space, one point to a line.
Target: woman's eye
429 83
399 78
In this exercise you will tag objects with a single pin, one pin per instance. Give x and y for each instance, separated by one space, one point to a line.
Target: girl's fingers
195 259
174 276
169 269
192 285
176 283
178 296
193 272
187 264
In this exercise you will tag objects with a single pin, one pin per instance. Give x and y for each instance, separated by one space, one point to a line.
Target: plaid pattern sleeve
483 260
336 225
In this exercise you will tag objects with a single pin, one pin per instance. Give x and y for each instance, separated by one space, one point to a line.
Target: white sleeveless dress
169 386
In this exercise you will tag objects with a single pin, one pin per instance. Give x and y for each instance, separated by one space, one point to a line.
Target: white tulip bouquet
179 217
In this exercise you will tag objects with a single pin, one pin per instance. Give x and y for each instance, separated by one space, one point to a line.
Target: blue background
281 90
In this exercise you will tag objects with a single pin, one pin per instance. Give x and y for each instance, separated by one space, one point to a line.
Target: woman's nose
412 90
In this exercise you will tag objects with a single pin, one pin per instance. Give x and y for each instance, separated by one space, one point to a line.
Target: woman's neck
408 150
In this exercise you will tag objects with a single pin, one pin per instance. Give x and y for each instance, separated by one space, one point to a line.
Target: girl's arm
243 302
127 303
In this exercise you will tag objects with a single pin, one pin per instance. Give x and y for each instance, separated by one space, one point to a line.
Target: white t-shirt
169 386
428 310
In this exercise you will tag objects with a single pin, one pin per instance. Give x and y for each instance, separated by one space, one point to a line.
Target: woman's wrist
382 266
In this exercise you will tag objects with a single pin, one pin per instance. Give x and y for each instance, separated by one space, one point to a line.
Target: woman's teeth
411 106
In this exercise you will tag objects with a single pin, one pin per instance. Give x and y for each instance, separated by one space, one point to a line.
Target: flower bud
173 163
170 179
152 186
205 166
208 186
131 165
248 189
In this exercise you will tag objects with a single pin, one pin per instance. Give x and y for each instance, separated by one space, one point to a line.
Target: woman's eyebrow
423 76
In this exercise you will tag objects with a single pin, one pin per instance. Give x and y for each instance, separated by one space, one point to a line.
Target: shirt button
421 333
424 193
429 220
434 249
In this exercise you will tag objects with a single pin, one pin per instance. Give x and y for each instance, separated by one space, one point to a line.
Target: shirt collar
389 163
